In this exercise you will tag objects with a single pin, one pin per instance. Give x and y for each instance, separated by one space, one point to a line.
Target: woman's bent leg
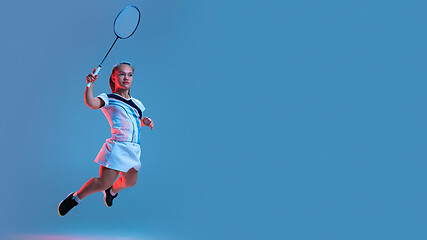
106 178
126 180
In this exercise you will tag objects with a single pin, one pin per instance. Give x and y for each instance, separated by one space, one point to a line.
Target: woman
120 155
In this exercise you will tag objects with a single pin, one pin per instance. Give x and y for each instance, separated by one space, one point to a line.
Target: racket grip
97 70
95 73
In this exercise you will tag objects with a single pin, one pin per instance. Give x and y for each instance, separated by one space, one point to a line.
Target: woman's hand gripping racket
91 77
125 25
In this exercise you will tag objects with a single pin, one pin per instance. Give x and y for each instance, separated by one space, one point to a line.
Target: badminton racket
125 25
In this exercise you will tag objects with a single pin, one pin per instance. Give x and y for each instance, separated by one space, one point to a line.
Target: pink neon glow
63 237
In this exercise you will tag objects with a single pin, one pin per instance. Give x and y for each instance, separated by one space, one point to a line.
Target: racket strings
126 22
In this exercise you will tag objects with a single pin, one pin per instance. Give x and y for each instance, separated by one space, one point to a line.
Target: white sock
75 197
112 193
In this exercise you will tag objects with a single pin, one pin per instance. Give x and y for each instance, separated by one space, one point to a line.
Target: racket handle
95 73
97 70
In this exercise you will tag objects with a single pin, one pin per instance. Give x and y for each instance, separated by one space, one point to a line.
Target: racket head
127 22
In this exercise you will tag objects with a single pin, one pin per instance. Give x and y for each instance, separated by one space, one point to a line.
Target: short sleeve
104 97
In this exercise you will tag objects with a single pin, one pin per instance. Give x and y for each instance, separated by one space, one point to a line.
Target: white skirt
121 156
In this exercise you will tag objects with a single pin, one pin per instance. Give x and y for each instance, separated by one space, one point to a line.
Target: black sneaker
108 198
66 205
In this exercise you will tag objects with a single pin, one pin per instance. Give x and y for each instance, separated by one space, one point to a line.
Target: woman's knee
103 183
130 182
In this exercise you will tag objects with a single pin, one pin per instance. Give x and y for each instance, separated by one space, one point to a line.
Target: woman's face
123 77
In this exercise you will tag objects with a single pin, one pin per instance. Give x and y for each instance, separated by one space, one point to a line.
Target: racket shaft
109 50
99 67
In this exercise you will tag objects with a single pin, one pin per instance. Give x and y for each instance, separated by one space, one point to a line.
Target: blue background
273 119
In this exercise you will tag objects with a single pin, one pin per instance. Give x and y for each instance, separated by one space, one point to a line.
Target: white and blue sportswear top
124 116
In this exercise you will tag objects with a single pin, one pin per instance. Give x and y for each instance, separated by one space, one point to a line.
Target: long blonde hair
115 68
